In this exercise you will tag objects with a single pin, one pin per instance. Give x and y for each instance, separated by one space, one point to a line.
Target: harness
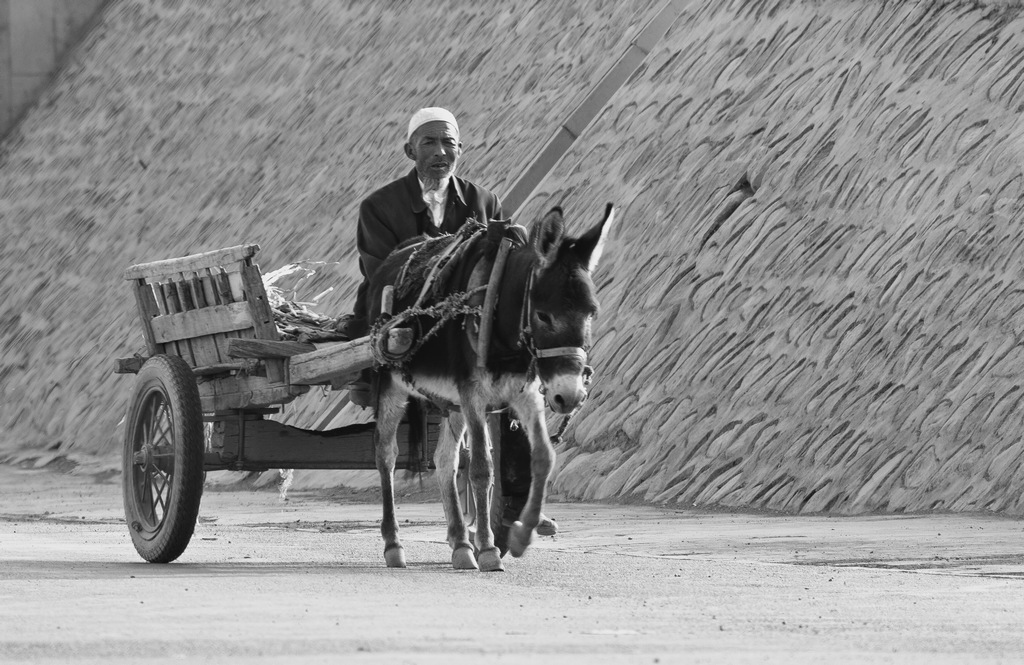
526 339
457 305
460 305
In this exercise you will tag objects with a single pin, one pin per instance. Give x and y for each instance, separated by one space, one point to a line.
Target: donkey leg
390 407
481 477
446 459
543 460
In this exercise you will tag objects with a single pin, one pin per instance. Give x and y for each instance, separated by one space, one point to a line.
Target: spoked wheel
163 459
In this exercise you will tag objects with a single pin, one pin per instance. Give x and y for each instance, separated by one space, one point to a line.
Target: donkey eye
545 318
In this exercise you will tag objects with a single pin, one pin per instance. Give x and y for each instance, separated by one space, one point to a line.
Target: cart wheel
163 459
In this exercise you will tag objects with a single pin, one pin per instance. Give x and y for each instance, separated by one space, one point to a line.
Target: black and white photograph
569 332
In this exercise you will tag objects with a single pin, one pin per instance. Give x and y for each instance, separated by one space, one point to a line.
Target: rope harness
457 305
448 309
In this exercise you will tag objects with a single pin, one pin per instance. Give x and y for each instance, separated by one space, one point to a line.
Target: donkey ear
590 245
546 235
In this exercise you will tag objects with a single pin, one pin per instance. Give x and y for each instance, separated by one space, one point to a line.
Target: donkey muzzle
564 393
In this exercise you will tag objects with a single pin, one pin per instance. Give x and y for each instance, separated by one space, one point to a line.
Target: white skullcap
430 114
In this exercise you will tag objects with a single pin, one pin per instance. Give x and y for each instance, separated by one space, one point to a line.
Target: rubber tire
166 395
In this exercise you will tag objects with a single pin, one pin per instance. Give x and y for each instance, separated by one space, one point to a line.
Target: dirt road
266 581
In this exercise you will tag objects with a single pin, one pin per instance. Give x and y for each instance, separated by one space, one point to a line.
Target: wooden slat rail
199 322
193 263
210 313
195 306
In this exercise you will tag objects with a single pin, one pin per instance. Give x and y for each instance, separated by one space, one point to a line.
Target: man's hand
351 326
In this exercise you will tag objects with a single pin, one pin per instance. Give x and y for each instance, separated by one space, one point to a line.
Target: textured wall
811 300
34 35
843 333
184 126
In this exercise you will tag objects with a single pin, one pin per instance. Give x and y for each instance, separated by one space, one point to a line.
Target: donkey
541 330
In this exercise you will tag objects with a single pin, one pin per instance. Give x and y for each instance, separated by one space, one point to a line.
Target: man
431 200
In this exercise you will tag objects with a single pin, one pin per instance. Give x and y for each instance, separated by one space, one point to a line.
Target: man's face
436 149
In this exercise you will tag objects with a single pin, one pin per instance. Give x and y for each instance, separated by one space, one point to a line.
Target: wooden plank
263 318
161 298
223 341
186 353
171 301
261 348
194 262
336 360
331 360
184 295
236 383
209 290
232 414
198 295
256 296
148 309
223 287
235 284
490 301
205 350
253 398
172 305
215 282
200 322
271 444
277 370
219 368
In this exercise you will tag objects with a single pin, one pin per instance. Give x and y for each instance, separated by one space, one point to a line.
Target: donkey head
561 304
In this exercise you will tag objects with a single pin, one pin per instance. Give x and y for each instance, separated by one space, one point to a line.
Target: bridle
526 339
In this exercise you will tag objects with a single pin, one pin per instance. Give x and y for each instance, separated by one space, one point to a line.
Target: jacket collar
412 183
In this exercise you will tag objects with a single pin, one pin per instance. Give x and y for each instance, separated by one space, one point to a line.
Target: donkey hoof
519 539
463 559
395 557
490 560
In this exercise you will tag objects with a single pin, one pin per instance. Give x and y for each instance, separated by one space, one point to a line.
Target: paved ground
266 581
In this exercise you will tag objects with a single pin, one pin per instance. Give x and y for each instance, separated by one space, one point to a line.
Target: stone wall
810 302
34 36
185 126
827 202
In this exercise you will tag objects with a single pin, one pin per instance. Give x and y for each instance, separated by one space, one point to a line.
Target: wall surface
811 300
34 36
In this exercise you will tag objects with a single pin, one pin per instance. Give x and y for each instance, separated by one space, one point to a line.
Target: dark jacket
397 212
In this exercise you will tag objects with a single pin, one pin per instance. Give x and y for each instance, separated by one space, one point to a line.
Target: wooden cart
214 357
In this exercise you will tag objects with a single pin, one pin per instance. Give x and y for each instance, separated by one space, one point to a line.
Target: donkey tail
416 414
